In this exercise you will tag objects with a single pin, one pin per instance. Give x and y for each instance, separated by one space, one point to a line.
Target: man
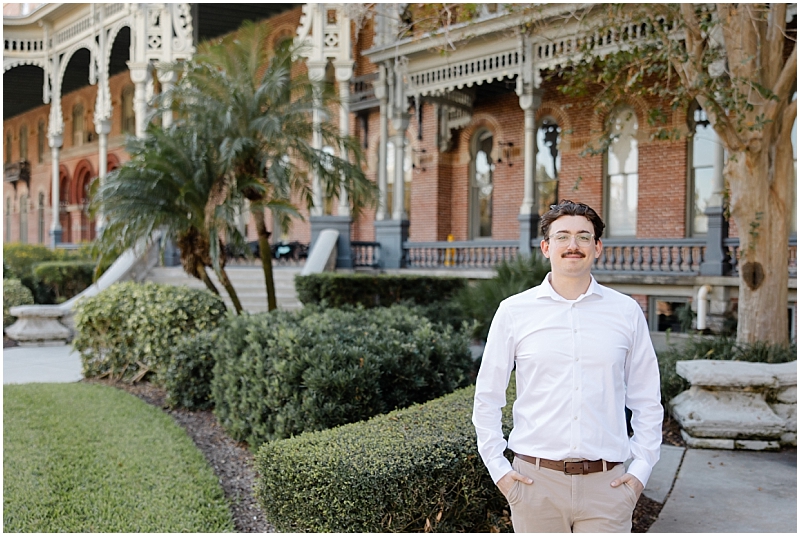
582 353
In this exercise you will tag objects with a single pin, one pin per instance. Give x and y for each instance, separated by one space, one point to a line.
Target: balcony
362 93
14 172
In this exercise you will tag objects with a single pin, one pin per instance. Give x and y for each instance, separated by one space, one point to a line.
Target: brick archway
63 202
83 226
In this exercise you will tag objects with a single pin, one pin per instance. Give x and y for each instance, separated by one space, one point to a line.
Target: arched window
481 185
128 116
40 218
408 175
40 136
9 139
8 219
23 219
701 172
622 174
548 163
23 142
77 125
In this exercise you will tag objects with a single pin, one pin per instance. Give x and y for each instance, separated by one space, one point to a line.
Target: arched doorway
83 226
63 204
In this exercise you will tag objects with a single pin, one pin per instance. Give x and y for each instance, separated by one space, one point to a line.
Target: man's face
569 256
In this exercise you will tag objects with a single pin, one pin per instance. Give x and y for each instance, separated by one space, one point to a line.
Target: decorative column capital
165 75
344 70
55 140
316 70
400 123
139 71
102 126
529 98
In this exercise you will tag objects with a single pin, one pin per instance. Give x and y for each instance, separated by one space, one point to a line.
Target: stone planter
737 405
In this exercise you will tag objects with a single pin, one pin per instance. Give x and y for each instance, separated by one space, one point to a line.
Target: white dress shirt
579 363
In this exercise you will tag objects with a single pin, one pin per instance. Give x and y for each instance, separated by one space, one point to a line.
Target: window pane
623 200
703 188
548 164
703 146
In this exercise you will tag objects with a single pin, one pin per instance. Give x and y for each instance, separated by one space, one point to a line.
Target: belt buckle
583 468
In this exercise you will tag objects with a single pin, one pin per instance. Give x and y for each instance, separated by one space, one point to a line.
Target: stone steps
247 280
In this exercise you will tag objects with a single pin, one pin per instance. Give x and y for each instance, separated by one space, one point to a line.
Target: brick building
468 148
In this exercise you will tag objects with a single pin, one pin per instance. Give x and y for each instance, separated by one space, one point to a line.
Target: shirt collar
546 290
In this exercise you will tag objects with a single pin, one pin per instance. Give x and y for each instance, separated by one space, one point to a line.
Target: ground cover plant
412 470
91 458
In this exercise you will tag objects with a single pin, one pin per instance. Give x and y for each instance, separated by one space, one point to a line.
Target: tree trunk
761 205
223 278
265 253
201 271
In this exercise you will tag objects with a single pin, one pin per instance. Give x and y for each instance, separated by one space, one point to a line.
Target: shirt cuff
498 468
641 470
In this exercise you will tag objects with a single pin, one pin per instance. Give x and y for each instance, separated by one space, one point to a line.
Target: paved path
717 491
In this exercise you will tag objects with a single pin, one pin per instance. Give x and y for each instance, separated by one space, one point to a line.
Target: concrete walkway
717 491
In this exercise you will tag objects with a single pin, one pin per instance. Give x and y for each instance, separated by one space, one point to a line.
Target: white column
55 196
400 123
382 96
344 72
102 128
316 73
718 182
140 75
527 103
167 79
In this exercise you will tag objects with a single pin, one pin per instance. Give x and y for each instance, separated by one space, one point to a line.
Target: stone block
737 374
705 443
744 444
787 412
789 438
726 415
788 395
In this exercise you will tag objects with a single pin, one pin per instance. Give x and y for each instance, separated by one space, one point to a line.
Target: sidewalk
717 491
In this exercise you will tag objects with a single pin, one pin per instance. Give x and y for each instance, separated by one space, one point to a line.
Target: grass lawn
90 458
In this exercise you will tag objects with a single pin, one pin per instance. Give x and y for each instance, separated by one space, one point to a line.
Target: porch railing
731 245
657 257
365 254
466 254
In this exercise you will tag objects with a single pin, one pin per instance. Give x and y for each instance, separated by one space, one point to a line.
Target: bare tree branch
783 86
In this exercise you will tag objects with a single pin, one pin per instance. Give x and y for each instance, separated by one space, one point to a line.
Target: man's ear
544 245
598 248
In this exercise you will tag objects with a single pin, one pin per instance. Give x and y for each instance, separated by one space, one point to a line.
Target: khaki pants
556 502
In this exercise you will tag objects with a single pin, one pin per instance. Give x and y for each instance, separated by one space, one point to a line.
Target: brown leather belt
584 467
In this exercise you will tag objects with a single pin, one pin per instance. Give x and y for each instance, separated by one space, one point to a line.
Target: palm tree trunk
266 255
223 278
201 270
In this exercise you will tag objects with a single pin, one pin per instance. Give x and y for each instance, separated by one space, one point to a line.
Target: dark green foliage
20 260
14 293
335 290
66 278
129 329
187 378
481 300
412 470
722 348
284 373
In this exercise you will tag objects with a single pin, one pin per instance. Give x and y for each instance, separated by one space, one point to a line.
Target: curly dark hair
571 208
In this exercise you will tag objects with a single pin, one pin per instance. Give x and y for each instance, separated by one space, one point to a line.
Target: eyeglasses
563 239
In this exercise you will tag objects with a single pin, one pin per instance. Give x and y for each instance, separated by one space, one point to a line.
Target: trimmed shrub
21 259
283 373
14 293
335 289
720 347
412 470
187 378
131 329
481 300
66 278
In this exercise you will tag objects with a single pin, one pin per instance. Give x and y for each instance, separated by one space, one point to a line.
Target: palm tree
261 113
168 185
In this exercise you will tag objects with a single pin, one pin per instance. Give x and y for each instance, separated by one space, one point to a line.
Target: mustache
574 252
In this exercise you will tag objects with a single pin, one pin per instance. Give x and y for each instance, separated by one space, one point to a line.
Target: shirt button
576 359
574 418
574 331
577 388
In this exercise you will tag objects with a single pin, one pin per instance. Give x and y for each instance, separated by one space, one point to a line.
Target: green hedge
14 293
66 278
187 379
720 347
130 329
283 373
412 470
335 289
21 260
